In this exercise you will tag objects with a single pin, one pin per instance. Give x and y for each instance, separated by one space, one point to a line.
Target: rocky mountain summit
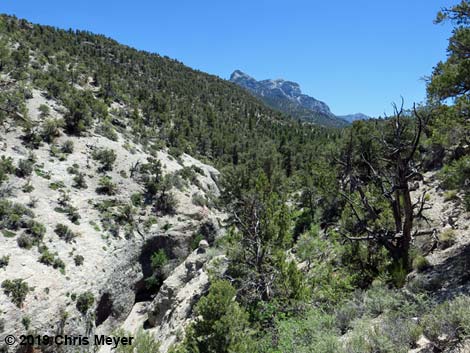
287 97
353 117
280 88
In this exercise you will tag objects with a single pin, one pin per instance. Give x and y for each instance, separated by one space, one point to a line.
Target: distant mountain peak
287 97
353 117
238 74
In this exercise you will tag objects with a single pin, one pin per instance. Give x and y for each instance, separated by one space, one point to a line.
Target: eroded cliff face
84 254
166 316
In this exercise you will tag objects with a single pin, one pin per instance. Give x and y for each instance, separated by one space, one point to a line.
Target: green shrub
446 238
84 302
13 221
454 175
389 335
36 230
44 110
25 241
381 317
67 147
17 290
51 129
420 263
95 226
105 205
187 173
159 192
398 273
4 261
312 332
55 151
6 167
378 300
31 138
64 198
448 321
72 214
221 326
197 169
466 200
166 203
106 157
107 130
136 199
125 214
6 164
106 186
12 216
64 232
50 259
349 311
151 220
309 246
26 321
144 342
27 188
78 117
153 283
78 259
79 181
47 258
3 176
24 168
58 263
199 200
178 182
175 152
159 259
450 195
152 177
74 169
56 185
8 234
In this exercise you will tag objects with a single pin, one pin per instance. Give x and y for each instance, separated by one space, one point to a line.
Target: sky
357 56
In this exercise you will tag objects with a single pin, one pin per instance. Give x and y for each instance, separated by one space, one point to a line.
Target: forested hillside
167 101
330 240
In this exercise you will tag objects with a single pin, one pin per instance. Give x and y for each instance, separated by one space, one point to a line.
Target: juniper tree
377 166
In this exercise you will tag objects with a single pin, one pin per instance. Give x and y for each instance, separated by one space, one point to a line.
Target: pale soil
102 252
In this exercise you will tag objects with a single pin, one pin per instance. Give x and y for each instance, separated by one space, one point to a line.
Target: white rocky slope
169 313
113 264
447 251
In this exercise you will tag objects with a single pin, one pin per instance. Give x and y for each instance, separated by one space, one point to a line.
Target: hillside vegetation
331 240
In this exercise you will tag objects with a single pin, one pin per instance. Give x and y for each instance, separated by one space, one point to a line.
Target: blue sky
357 56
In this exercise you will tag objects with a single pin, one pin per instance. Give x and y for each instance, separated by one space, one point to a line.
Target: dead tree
389 171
